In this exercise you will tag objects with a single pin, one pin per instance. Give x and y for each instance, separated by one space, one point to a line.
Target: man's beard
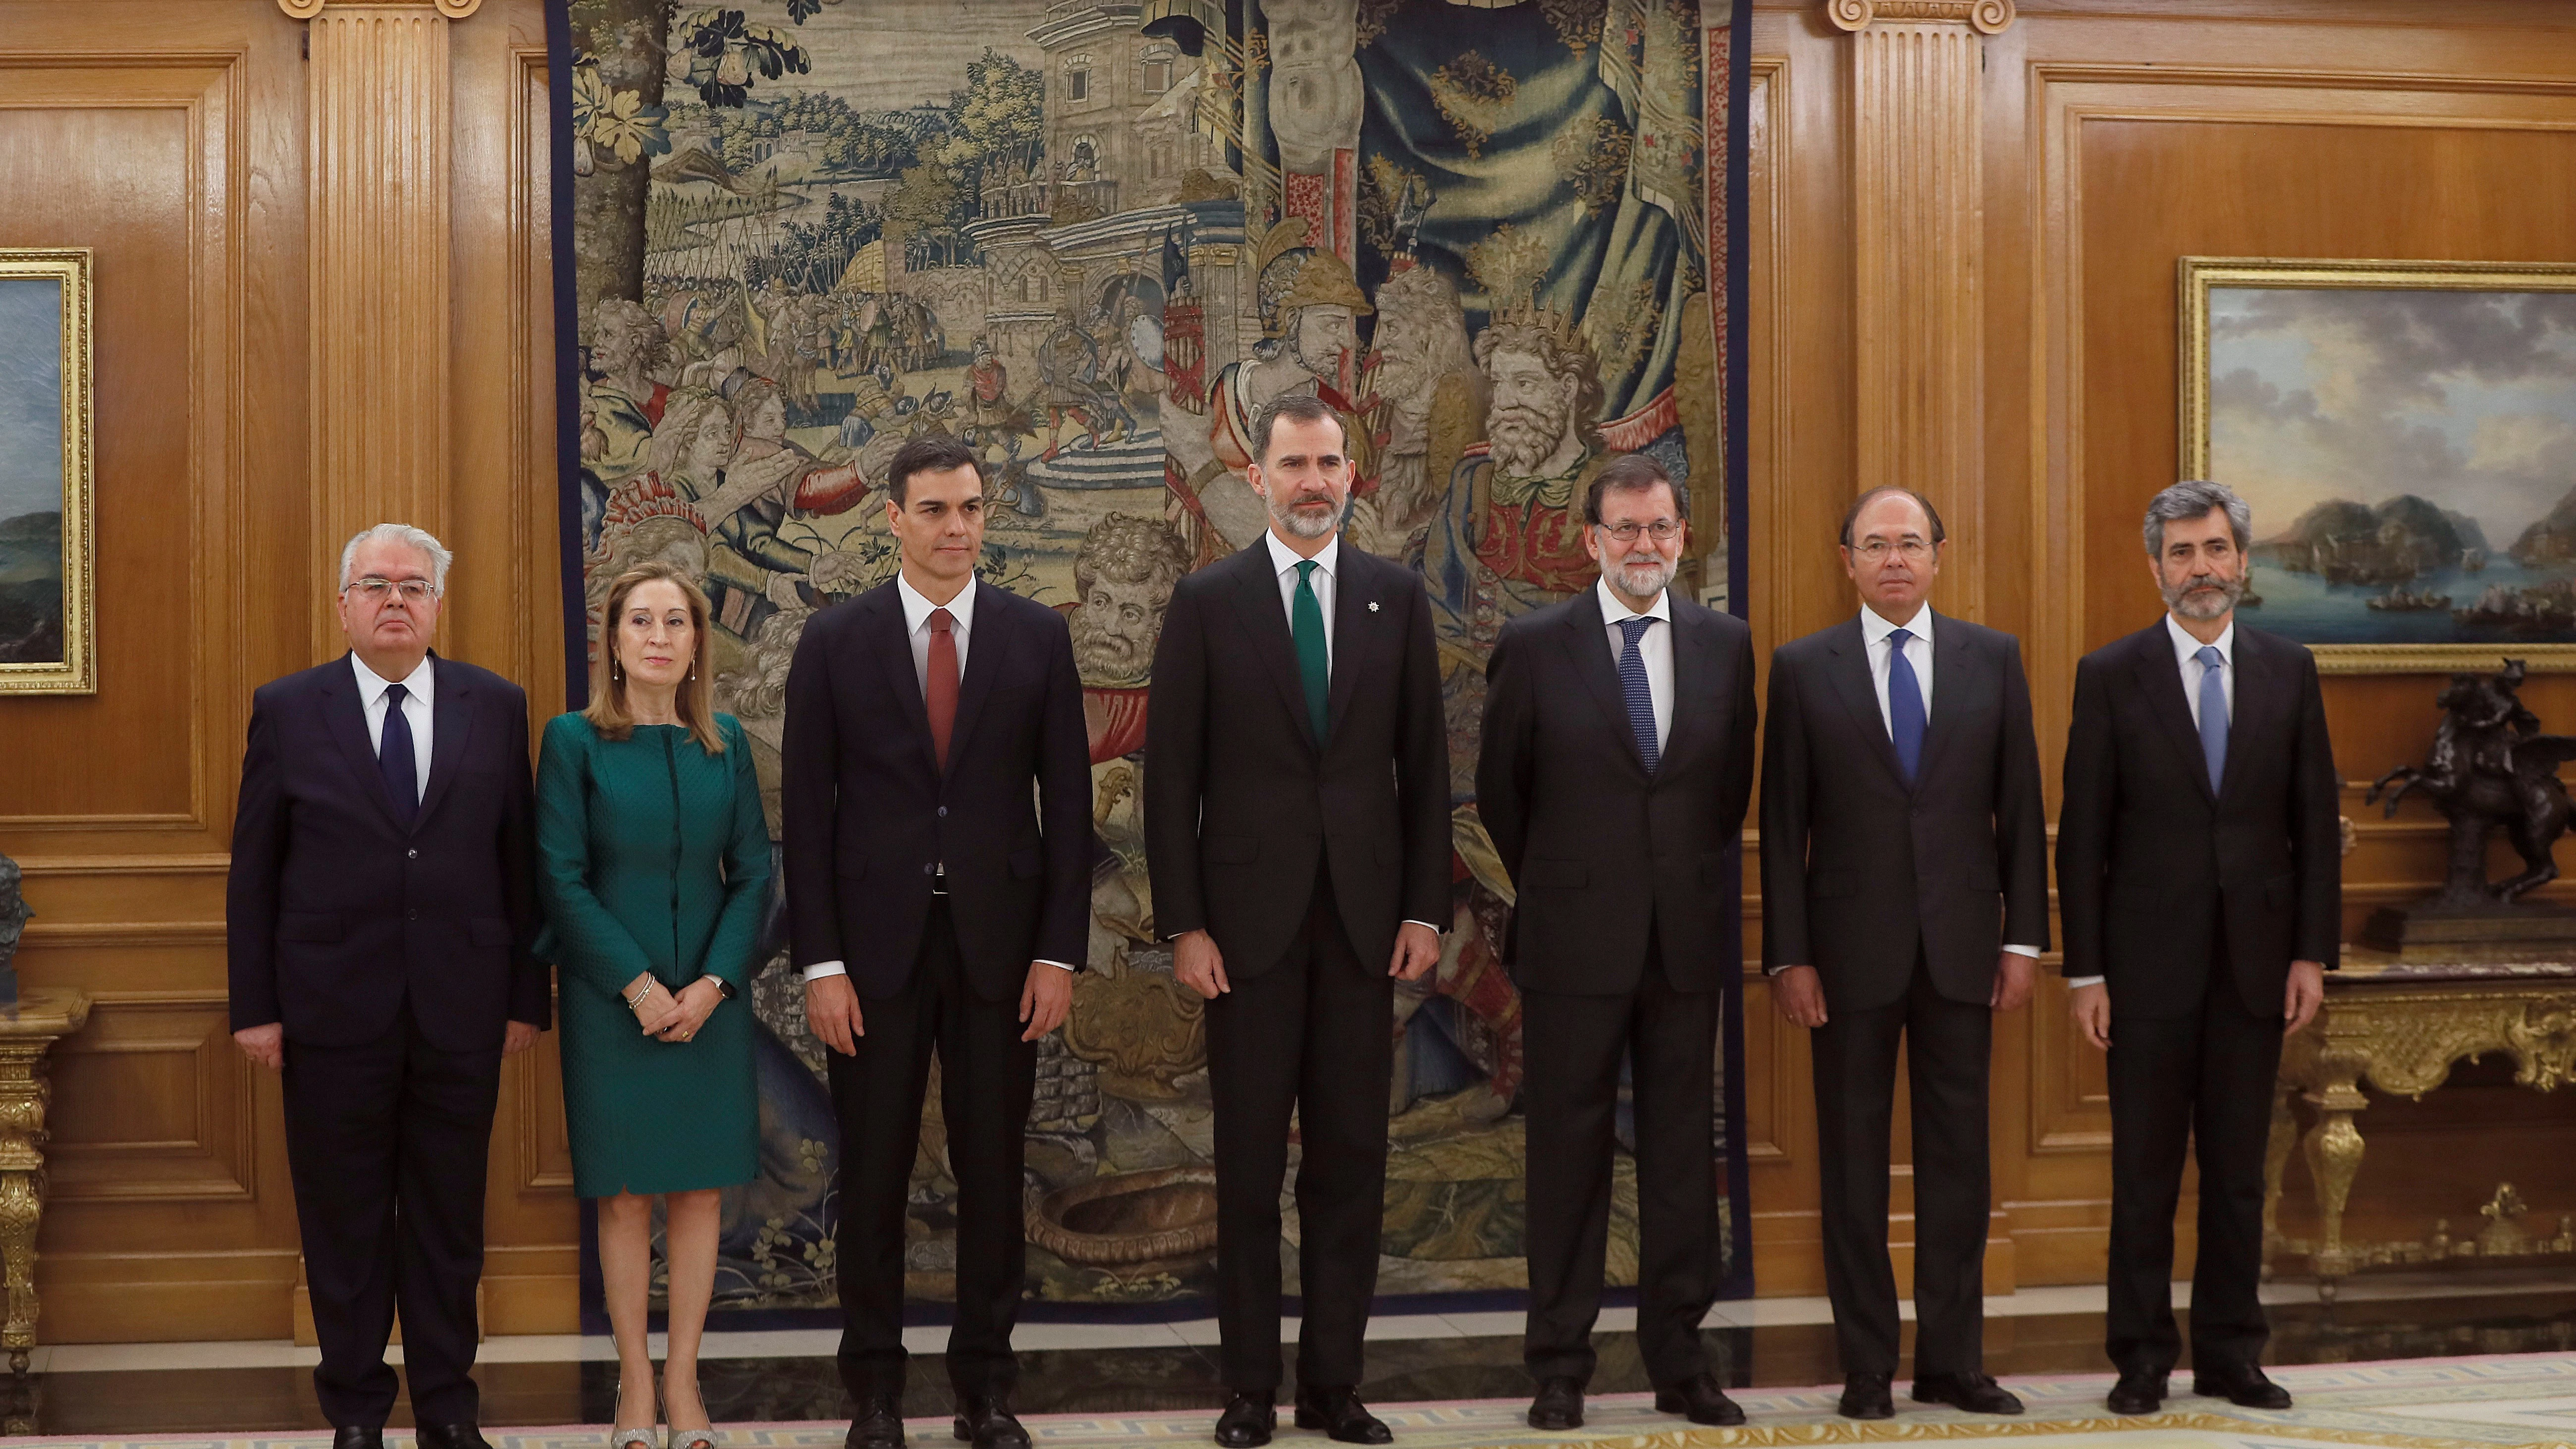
2192 601
1102 657
1523 437
1327 368
1304 525
1645 580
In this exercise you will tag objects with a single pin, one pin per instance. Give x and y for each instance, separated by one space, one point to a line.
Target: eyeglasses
374 590
1662 530
1912 550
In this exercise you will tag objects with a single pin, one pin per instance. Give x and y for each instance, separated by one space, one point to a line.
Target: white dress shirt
916 626
2185 647
372 695
1326 560
1654 650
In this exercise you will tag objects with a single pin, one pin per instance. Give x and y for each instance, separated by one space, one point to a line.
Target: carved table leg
23 1097
2334 1155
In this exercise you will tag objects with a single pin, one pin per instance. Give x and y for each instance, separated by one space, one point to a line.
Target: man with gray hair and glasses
379 921
2199 875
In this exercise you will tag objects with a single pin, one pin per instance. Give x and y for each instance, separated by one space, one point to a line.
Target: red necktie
939 691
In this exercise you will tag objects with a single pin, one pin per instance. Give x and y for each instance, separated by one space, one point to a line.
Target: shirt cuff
2023 950
2074 982
1776 970
1426 925
1042 961
821 969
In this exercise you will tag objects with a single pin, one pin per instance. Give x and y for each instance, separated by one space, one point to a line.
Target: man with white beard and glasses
1618 753
2199 875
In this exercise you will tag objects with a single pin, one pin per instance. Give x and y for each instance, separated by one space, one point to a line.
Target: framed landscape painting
46 633
2406 435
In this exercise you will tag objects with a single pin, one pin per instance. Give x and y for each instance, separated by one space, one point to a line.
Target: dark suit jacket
868 814
1857 870
1596 847
2150 865
1240 800
335 914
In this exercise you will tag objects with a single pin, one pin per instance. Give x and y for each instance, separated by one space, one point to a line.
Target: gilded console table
43 1015
2400 1026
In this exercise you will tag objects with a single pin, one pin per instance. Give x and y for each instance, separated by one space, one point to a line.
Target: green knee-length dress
653 858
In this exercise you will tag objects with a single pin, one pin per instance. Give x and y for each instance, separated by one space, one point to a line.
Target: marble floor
243 1387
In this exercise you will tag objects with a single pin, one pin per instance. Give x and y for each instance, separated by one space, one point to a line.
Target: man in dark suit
1297 830
935 905
1904 895
378 921
1618 754
2199 870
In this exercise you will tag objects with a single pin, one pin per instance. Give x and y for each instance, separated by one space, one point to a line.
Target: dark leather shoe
2137 1393
351 1437
450 1436
1341 1415
1559 1404
1866 1396
988 1423
2244 1387
876 1422
1976 1393
1699 1400
1247 1421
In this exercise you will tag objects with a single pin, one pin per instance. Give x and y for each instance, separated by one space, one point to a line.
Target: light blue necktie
2213 713
1905 722
1640 697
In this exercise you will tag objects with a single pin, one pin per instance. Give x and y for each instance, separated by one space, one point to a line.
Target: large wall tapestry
1090 238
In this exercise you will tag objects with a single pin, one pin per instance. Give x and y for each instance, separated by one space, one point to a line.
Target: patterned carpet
2524 1401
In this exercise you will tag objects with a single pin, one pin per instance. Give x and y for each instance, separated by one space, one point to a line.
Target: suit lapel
1256 598
2256 703
1859 690
346 715
1694 681
2161 679
451 723
1587 634
1956 678
1354 634
888 640
986 650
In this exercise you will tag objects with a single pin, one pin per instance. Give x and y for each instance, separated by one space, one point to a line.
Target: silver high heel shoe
642 1438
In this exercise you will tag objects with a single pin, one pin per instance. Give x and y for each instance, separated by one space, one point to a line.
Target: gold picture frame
2533 618
48 617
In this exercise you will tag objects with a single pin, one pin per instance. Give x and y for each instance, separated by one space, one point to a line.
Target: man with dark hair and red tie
937 802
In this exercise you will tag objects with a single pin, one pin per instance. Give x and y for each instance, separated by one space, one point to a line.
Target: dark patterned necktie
1905 722
395 759
1640 696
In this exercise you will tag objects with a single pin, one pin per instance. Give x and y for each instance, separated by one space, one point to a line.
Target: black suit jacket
1597 848
335 914
1858 871
1241 800
2151 865
868 814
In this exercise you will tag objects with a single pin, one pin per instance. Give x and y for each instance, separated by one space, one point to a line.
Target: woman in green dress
656 867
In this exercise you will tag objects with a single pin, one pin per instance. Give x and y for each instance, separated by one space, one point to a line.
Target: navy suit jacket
335 914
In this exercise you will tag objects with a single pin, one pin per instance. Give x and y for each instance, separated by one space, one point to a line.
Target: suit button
414 854
411 915
927 868
943 812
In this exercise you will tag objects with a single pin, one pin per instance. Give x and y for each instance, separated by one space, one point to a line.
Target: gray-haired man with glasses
380 914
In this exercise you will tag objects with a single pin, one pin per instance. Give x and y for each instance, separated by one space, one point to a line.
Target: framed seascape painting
45 584
2406 435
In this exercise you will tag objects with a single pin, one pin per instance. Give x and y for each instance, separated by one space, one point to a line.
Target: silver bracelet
637 999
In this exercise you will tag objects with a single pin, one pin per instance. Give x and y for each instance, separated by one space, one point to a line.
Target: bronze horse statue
2490 768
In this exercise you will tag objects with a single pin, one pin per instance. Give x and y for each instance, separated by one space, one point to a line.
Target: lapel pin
1372 606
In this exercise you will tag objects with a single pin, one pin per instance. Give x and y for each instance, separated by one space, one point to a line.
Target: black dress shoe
1699 1400
450 1436
1341 1415
988 1423
2244 1387
876 1422
1976 1393
349 1436
1866 1396
2137 1393
1247 1420
1559 1404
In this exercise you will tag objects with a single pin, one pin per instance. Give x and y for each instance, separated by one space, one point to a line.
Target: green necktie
1313 665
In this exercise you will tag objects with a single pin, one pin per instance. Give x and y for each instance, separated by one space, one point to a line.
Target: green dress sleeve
746 866
591 945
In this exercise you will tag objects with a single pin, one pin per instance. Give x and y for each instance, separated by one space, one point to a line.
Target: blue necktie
1905 722
395 761
1641 698
2213 713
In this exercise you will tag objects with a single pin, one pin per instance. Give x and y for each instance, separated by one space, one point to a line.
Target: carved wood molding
1989 17
307 9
